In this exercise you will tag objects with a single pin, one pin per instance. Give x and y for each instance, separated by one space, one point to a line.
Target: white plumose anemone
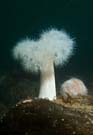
53 48
73 88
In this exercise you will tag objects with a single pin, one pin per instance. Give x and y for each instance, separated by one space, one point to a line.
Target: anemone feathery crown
53 45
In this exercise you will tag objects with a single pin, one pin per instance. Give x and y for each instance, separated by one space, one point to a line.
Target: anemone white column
47 87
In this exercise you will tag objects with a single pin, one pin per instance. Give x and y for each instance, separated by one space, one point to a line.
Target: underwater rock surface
43 117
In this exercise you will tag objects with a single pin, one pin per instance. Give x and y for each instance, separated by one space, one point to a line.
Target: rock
44 117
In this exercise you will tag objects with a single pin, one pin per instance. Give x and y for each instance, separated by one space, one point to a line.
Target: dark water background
27 18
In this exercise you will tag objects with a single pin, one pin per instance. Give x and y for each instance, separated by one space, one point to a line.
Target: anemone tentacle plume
53 47
60 45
